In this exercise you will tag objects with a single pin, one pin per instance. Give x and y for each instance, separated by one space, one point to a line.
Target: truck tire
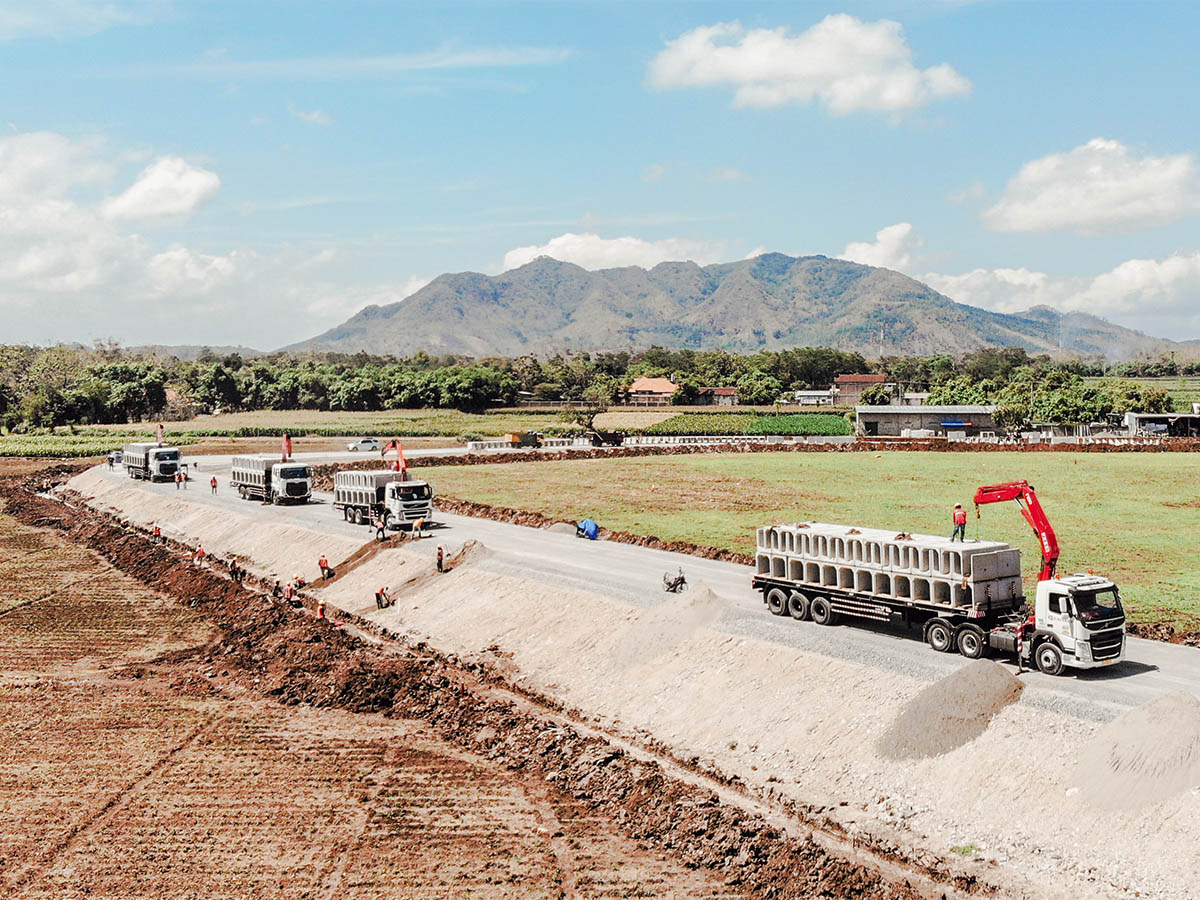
1049 658
797 606
939 635
970 641
358 517
777 601
822 613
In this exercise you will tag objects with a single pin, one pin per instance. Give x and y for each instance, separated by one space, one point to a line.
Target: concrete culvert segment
1148 755
950 712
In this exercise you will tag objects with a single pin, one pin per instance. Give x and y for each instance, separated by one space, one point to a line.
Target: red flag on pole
287 446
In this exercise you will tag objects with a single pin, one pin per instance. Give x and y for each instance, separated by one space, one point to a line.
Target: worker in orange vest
320 609
213 484
199 554
157 533
178 480
323 564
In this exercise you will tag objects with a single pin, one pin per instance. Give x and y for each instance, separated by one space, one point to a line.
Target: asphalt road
634 574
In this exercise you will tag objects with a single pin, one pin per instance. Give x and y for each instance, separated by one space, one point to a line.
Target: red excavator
1022 492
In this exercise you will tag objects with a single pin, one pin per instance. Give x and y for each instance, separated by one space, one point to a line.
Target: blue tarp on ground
590 529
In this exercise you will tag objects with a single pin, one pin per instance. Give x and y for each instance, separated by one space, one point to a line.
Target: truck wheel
1049 658
797 606
777 601
358 517
939 635
970 642
822 612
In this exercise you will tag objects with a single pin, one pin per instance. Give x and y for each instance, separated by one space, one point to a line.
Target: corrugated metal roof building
902 421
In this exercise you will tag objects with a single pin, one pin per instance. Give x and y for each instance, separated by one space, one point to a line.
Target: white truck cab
408 502
1083 616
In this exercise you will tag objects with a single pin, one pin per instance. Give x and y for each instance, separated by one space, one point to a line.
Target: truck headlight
1083 651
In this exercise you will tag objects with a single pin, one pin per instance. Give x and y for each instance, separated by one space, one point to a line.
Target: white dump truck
270 479
367 495
965 596
151 461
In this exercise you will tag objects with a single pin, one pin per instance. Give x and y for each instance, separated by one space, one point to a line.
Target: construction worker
213 484
418 527
1024 635
380 530
960 523
289 592
185 479
200 554
300 582
323 564
178 480
441 559
157 534
320 608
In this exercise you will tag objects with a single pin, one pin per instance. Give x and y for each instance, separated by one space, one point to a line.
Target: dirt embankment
288 654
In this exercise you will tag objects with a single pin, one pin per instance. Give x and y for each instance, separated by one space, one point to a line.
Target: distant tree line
62 385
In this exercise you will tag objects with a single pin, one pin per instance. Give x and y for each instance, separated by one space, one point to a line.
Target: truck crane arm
1026 499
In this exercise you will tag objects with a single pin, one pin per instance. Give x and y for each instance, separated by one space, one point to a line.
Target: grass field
1133 517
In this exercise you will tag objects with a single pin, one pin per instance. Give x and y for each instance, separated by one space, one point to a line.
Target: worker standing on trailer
323 565
960 523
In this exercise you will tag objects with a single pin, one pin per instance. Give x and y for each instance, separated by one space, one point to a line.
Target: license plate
1108 662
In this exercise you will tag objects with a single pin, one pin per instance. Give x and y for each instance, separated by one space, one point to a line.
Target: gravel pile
950 712
1148 755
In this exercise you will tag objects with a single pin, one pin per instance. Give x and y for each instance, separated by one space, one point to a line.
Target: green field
732 423
1131 516
1184 390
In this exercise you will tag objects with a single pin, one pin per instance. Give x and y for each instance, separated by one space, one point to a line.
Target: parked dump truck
965 596
270 479
151 461
364 496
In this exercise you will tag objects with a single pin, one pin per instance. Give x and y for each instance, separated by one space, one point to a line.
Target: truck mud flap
860 609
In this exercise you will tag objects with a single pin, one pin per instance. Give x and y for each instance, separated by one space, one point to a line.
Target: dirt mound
1146 756
950 712
561 528
659 630
470 552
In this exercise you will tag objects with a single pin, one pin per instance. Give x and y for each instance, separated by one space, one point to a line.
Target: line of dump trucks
964 596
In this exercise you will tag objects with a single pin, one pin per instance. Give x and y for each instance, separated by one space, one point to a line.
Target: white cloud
329 67
341 303
728 173
654 173
44 164
314 117
891 249
594 252
72 18
1099 187
843 63
168 188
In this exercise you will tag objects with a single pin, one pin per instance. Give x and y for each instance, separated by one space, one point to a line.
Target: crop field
710 423
1132 516
1184 390
131 765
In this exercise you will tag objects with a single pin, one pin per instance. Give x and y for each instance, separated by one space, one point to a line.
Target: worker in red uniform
213 484
323 565
200 554
960 523
157 533
178 480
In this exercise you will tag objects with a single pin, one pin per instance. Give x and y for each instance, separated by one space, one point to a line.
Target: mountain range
769 302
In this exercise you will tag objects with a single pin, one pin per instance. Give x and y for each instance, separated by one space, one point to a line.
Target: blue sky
256 172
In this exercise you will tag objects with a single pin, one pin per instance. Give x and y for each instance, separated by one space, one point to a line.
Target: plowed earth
166 733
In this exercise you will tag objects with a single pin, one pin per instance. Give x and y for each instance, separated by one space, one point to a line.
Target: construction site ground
1017 793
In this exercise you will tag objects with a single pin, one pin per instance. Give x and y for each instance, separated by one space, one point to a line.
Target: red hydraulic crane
1022 492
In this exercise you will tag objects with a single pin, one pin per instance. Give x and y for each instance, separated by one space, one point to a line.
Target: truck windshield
166 455
294 472
1098 604
412 492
